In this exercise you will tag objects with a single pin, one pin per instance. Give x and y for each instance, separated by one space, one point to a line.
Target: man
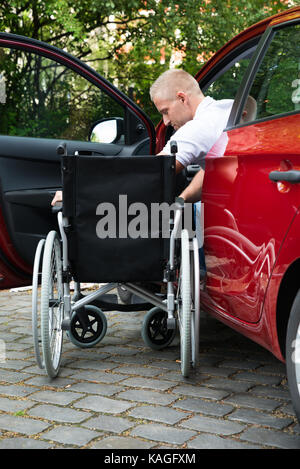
198 122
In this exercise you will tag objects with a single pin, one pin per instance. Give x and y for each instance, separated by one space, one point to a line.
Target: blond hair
170 82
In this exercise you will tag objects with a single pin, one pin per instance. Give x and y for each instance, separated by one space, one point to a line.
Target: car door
48 97
248 211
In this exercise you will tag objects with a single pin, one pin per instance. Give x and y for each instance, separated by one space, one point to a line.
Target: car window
276 87
225 83
42 98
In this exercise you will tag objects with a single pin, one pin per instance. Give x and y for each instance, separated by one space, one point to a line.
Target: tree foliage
132 41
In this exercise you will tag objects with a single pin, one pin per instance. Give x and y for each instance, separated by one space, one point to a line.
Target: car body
251 213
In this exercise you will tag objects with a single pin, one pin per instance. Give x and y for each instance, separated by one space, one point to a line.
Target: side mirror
108 131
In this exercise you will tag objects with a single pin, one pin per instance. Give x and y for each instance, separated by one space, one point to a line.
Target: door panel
247 215
48 97
29 176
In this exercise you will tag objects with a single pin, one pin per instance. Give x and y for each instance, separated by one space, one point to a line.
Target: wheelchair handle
173 147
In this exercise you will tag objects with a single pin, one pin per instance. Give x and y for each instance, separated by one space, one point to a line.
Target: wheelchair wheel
88 326
184 305
52 306
195 298
36 304
154 330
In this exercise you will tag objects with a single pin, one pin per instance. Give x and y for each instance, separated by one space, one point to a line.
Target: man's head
176 95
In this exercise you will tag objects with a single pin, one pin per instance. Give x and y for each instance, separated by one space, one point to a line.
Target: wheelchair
162 270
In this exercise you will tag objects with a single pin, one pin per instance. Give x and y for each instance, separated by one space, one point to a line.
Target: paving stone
98 376
169 353
23 425
156 432
277 369
12 376
131 360
270 391
23 443
18 355
296 428
56 397
9 337
241 364
138 370
200 391
204 407
116 350
69 435
158 414
227 402
246 400
217 371
16 390
151 397
121 443
287 409
36 370
103 404
211 425
228 384
14 405
92 365
85 354
148 383
18 347
58 414
217 442
109 423
53 383
14 365
260 418
258 378
96 388
271 438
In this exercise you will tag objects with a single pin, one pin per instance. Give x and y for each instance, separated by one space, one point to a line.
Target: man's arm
178 168
192 193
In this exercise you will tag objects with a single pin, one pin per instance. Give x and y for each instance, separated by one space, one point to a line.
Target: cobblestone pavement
121 394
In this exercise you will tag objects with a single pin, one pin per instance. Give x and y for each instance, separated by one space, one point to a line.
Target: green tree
132 41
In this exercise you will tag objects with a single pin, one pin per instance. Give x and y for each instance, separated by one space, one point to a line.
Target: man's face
174 112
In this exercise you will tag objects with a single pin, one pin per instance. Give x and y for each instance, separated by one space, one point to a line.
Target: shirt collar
204 103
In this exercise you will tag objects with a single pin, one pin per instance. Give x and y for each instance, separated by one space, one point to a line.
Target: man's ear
182 96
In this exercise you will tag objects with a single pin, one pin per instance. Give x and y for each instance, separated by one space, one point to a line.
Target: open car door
46 97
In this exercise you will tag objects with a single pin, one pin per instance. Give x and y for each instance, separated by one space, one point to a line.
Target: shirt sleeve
194 140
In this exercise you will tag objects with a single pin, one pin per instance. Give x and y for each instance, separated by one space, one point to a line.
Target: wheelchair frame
58 308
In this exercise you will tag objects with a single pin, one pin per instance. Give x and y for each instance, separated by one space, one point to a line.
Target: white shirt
203 133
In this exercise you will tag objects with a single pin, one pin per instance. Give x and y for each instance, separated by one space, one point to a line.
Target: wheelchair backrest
109 239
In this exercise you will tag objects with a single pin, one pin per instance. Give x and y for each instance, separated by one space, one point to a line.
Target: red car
251 193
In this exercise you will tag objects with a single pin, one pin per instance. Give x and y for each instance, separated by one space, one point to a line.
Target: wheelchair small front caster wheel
87 327
155 330
124 294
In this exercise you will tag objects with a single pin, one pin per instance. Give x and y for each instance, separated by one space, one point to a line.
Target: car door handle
292 176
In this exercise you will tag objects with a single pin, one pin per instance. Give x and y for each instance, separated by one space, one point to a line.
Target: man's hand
192 193
57 198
